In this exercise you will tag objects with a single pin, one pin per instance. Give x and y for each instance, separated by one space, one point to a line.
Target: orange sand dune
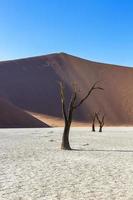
14 117
32 84
55 121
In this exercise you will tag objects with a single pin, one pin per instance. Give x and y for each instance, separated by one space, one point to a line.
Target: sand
32 166
32 84
12 116
56 121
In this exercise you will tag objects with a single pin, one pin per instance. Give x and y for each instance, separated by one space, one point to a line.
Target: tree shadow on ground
104 150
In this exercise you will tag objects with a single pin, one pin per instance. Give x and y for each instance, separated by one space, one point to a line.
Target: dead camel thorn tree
100 121
93 122
68 112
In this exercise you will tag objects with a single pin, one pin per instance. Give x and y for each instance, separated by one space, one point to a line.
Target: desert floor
32 166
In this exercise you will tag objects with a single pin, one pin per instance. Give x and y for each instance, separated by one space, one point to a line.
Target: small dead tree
93 122
100 121
68 112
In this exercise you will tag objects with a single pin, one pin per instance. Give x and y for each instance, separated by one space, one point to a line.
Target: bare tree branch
63 100
98 118
101 122
94 87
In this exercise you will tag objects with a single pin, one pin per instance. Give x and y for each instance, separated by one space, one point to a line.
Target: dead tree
100 121
93 122
68 112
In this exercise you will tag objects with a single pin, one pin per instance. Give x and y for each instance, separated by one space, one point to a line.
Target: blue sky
99 30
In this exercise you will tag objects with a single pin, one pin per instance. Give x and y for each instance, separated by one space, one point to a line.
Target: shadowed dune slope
32 85
14 117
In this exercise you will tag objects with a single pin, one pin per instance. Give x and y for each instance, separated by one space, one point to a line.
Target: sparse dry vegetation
100 121
68 112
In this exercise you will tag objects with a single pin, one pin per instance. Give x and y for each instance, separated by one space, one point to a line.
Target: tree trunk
65 138
93 127
100 129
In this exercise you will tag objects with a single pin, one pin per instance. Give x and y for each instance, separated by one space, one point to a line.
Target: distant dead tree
68 112
100 121
93 122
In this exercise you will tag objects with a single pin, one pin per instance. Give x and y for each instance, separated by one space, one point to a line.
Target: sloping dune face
14 117
33 85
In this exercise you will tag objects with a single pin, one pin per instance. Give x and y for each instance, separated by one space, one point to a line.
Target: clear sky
99 30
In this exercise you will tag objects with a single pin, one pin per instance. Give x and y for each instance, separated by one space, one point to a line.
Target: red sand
14 117
32 85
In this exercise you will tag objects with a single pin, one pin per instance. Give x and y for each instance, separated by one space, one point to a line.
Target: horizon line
68 54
